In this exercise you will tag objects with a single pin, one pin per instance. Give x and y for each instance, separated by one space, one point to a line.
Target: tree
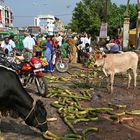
88 15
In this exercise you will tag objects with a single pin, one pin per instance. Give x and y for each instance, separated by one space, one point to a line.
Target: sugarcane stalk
67 91
77 102
49 134
70 117
51 119
48 137
93 109
83 93
76 97
56 105
91 129
85 120
80 116
134 112
88 94
50 94
73 136
69 125
82 112
53 95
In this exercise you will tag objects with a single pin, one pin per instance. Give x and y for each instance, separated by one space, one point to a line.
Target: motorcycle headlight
37 66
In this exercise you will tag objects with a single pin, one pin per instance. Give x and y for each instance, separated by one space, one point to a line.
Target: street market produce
69 107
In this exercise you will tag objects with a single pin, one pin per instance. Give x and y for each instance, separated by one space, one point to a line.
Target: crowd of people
73 48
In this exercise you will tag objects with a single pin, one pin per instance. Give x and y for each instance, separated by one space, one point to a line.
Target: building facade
46 22
6 16
59 26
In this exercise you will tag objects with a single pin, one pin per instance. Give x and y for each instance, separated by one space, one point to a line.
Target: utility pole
126 27
138 26
103 29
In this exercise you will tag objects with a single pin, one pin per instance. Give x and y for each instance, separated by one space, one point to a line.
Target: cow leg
104 71
108 83
129 80
112 81
135 77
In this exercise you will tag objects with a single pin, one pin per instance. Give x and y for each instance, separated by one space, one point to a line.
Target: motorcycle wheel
42 86
62 66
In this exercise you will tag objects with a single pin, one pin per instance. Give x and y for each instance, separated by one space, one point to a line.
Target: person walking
48 53
28 44
73 50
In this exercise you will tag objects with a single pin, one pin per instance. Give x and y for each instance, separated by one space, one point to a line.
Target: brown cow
117 63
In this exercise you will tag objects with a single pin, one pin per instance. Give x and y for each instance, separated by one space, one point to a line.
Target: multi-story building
6 16
46 22
59 26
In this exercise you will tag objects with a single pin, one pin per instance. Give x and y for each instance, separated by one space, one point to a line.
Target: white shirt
109 45
29 43
9 46
89 41
86 40
60 40
82 39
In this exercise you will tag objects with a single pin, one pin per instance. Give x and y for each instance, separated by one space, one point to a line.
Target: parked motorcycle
28 72
61 65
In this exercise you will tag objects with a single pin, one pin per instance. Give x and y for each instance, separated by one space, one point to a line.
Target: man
60 38
113 47
8 46
29 44
82 39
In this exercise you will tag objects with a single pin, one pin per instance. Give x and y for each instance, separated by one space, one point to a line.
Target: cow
117 63
14 97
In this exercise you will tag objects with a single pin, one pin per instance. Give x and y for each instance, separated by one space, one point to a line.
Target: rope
33 107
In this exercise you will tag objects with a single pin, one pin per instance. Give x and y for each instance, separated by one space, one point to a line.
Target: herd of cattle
14 96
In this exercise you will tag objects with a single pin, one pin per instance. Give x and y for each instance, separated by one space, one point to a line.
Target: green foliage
88 15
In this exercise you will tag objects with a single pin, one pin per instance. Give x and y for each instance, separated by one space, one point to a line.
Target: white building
6 16
46 22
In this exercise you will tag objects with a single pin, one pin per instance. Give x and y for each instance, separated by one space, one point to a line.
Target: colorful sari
48 53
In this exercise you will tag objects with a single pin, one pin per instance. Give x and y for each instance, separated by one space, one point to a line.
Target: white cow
117 63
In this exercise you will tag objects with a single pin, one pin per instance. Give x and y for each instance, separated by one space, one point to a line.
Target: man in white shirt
8 45
60 40
29 44
86 40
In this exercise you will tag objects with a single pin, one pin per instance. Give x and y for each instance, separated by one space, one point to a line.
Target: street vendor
113 47
8 45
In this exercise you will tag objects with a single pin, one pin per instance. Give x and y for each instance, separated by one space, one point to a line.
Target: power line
25 16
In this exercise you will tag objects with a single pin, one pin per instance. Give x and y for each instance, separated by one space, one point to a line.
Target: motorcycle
61 65
28 72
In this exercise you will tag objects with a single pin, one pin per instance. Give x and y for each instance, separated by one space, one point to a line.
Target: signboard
103 30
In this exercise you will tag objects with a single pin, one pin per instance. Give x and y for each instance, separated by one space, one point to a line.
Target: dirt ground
16 129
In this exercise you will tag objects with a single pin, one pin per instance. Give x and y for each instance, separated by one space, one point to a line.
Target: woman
73 50
64 49
48 53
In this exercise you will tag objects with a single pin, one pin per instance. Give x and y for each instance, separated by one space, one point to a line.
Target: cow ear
104 56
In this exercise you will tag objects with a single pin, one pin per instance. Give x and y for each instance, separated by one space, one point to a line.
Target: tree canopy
88 15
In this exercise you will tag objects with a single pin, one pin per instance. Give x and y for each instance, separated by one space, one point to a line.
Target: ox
14 96
117 63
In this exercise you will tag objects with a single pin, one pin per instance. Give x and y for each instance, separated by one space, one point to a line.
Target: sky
25 10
